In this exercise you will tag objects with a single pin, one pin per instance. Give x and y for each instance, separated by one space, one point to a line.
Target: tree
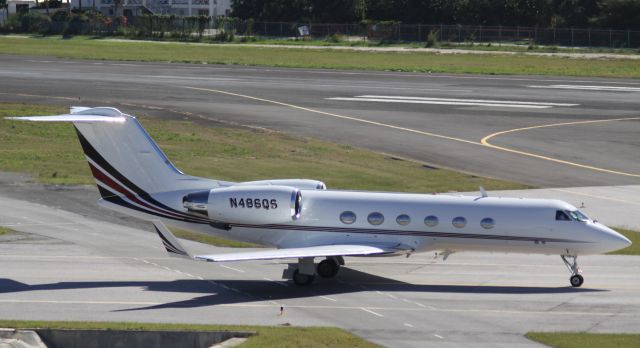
618 14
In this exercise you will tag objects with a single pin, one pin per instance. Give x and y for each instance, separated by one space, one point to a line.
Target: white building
177 7
15 6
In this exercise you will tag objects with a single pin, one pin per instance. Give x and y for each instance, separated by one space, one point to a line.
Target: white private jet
304 220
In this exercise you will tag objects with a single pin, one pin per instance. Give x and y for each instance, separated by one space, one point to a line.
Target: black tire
576 280
302 279
328 268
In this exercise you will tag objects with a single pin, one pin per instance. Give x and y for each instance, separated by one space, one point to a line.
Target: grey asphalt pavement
72 260
584 130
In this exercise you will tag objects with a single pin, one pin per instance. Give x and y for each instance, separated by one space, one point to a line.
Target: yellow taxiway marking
484 142
350 118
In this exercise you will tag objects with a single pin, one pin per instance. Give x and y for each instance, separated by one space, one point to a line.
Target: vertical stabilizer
123 158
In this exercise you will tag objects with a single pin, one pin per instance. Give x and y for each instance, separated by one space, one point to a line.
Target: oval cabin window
487 223
348 217
431 221
403 219
375 218
459 222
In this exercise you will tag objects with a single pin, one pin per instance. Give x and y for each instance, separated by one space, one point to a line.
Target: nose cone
612 240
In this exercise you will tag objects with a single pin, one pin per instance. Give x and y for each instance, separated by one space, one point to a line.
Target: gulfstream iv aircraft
305 221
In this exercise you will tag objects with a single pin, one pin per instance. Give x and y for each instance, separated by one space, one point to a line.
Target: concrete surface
81 268
69 338
11 338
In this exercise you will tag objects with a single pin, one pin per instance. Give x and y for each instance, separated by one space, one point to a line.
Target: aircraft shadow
217 292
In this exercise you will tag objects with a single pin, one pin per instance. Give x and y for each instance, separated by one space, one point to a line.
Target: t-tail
129 168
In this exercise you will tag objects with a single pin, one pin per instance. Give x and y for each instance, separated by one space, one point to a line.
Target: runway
543 131
95 266
75 261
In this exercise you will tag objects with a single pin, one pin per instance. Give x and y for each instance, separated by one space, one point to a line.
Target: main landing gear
576 278
305 272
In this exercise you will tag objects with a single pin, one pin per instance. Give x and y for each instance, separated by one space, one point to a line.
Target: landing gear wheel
576 280
302 279
328 268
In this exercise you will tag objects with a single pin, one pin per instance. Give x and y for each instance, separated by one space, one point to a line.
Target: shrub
77 25
334 38
33 22
432 39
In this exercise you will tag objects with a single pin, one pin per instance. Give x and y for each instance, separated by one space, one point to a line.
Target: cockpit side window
562 216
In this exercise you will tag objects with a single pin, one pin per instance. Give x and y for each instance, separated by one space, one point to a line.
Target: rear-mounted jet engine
250 204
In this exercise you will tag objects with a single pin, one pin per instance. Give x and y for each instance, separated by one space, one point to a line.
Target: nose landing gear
576 278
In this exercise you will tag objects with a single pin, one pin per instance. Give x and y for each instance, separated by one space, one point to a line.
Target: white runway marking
190 78
275 282
372 312
438 336
329 298
590 88
231 268
452 101
408 325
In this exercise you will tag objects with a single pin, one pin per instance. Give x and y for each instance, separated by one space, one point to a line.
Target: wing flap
289 253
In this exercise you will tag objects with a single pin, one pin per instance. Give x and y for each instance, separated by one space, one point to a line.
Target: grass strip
266 336
209 239
51 153
521 47
5 230
87 48
634 237
585 340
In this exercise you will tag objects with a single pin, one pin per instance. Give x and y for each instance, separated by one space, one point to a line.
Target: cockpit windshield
578 215
570 215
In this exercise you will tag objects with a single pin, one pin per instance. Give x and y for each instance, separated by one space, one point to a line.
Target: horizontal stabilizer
70 118
79 114
289 253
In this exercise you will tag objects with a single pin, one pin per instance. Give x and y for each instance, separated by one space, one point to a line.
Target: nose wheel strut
576 278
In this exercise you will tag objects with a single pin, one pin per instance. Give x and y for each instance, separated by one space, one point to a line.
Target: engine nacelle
303 184
250 204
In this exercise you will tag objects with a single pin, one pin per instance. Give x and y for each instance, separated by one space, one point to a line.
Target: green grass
86 48
5 230
51 153
585 340
634 237
208 239
520 47
266 336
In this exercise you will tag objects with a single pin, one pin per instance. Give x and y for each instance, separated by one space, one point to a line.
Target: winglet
483 192
171 243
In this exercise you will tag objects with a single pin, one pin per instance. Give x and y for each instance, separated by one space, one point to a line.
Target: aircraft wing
174 248
290 253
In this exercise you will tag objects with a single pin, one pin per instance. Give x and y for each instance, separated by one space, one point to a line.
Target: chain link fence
394 32
225 29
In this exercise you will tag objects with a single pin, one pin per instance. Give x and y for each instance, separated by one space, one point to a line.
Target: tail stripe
106 180
94 156
118 200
